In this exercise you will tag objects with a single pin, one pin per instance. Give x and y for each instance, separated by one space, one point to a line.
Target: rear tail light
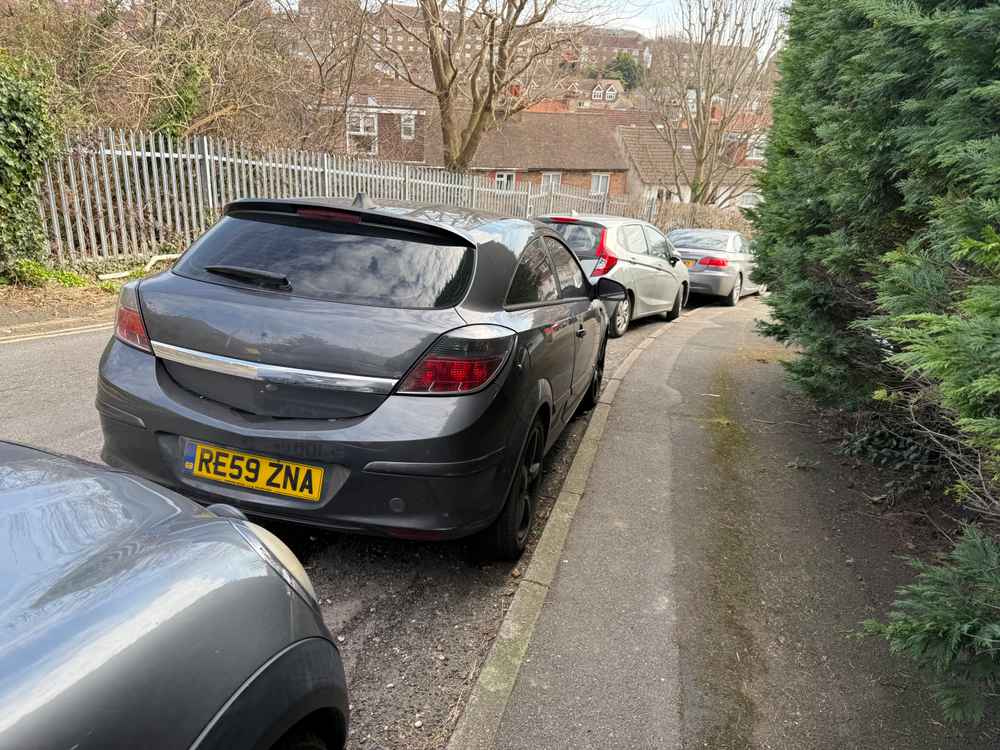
463 360
606 260
129 328
561 220
718 262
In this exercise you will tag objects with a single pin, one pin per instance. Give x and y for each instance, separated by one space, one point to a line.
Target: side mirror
610 290
674 259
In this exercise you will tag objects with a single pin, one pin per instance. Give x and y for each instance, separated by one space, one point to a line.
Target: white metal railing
128 194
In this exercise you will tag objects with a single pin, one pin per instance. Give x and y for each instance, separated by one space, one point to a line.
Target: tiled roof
653 157
542 141
390 92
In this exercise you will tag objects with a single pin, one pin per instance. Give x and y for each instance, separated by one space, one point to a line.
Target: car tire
593 393
621 318
301 739
734 296
675 312
508 535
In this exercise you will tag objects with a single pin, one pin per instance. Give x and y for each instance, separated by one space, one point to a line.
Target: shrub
879 239
948 622
27 139
28 272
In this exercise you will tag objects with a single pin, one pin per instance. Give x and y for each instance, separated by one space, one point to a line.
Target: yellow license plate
274 475
689 263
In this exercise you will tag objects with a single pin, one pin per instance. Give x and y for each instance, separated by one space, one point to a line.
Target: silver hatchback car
720 262
635 254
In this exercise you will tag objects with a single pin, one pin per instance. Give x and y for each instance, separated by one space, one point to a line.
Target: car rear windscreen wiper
253 276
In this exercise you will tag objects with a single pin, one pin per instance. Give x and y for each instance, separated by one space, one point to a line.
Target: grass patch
33 273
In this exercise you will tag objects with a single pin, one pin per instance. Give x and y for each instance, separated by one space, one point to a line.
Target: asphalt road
413 620
47 390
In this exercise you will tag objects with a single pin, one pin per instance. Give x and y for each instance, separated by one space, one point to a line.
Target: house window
360 123
599 182
505 180
756 150
610 94
362 133
597 94
551 181
407 126
748 200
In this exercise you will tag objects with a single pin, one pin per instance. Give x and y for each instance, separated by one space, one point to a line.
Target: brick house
547 149
387 118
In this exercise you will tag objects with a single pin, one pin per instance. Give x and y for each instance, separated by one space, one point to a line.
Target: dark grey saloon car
395 370
131 617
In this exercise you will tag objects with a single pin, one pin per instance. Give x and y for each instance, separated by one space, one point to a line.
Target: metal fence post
206 154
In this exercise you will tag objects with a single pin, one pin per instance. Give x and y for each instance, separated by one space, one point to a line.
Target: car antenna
362 201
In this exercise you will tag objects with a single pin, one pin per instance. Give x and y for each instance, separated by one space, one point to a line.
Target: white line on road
54 334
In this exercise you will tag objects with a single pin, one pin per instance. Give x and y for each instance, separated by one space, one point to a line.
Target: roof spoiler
361 211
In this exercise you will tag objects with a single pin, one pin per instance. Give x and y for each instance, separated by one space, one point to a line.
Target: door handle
581 332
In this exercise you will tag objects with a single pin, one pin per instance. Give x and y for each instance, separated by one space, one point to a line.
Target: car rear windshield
699 239
582 239
333 262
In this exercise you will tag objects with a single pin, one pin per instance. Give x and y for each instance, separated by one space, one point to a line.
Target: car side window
632 239
571 278
534 280
658 244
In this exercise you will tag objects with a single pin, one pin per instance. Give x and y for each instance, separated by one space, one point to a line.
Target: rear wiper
253 276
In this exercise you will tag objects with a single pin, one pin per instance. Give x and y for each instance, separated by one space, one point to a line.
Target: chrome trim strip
272 373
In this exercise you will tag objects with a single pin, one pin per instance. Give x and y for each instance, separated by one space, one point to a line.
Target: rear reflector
461 361
329 214
129 328
719 262
606 260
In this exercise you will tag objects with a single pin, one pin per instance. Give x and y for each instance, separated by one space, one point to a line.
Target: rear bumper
716 283
420 467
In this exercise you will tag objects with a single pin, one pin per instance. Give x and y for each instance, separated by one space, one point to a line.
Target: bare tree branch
711 84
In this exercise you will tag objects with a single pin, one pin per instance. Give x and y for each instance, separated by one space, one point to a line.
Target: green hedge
878 235
27 139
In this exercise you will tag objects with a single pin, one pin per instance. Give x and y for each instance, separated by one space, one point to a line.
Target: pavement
717 564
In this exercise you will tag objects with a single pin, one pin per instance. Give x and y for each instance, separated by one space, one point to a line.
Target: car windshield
700 239
334 262
582 239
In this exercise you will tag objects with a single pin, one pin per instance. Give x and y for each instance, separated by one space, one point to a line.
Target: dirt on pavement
784 554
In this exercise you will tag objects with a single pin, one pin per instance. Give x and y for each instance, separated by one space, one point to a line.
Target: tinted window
366 268
700 239
632 239
571 278
658 244
533 279
582 239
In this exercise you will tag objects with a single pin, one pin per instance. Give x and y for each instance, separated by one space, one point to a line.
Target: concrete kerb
477 728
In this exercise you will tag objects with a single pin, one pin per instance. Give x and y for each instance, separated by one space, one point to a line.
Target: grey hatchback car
392 370
134 618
